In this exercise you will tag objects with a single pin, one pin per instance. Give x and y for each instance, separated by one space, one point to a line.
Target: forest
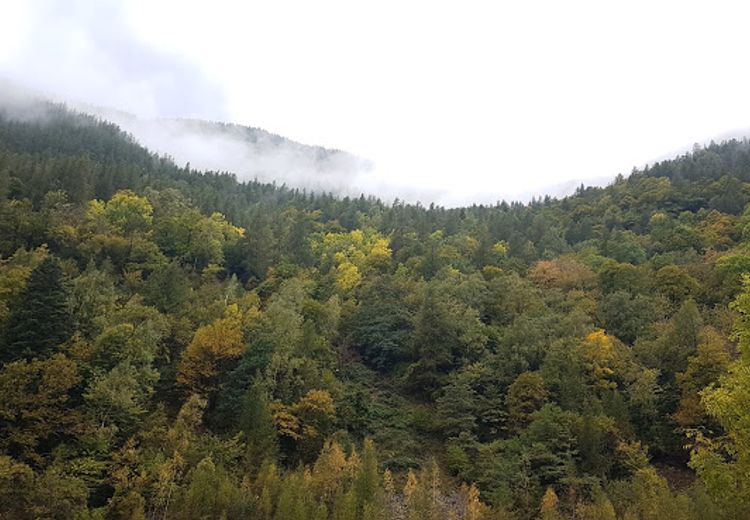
176 344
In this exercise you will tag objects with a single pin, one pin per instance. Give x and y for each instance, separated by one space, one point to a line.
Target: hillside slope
176 343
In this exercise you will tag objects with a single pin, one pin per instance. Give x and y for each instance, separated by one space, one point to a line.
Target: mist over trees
178 344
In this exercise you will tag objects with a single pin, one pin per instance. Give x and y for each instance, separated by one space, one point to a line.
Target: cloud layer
452 103
84 51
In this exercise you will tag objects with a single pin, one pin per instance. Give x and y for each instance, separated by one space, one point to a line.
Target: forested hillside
250 153
176 344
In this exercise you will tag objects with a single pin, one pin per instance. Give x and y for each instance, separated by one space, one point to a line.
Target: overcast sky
476 101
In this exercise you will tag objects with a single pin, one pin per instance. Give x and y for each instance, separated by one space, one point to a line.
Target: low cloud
250 153
85 55
83 51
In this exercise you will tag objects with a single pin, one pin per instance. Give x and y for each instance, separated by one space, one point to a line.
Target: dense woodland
176 344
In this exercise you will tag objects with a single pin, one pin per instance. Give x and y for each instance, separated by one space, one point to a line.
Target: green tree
40 319
293 500
626 315
256 421
526 395
345 506
446 333
381 324
128 212
711 360
723 464
210 494
25 495
367 481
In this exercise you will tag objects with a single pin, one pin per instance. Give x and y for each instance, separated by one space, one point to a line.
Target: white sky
474 100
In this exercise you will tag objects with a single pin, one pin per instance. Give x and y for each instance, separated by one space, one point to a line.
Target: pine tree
40 320
410 486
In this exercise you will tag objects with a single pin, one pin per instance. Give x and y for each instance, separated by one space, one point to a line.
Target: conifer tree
40 320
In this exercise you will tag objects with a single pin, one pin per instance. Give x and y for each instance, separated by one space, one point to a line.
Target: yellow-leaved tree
306 422
349 256
602 357
212 346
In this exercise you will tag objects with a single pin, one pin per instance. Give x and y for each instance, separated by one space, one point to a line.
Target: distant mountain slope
250 153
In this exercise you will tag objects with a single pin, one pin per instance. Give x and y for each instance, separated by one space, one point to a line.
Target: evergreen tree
40 320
